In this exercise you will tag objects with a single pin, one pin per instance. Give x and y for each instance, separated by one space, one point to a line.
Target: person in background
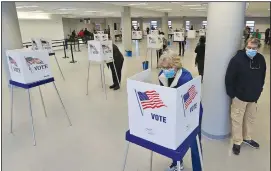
73 34
200 51
87 35
152 28
81 34
138 29
160 51
246 34
244 82
192 27
182 47
118 61
174 75
148 30
257 34
266 37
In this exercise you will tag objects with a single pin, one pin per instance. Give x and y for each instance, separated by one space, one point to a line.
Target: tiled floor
96 139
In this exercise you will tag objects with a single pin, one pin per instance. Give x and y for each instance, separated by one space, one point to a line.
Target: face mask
251 53
169 73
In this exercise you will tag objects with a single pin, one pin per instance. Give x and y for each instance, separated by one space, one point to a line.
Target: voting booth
154 41
178 36
155 32
136 35
42 44
29 69
102 53
164 120
191 34
27 66
101 37
100 32
202 32
162 115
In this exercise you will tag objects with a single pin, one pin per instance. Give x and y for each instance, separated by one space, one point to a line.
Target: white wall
261 23
50 29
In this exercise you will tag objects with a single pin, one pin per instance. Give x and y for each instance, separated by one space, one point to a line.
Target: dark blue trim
173 154
51 54
31 85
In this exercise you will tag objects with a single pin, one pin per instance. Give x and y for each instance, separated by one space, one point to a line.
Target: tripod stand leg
200 154
11 110
151 160
101 71
116 72
88 76
59 68
31 116
62 105
103 76
42 102
125 156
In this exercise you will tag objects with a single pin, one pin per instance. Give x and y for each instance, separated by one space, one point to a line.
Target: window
250 24
187 25
204 24
154 24
135 24
169 24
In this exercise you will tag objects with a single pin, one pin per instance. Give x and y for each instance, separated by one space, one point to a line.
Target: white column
216 103
165 24
184 22
11 34
141 25
110 22
126 28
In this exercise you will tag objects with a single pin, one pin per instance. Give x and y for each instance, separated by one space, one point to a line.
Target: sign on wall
162 115
178 36
136 35
154 41
42 44
28 66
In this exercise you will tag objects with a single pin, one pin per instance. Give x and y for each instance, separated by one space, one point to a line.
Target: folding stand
51 54
102 75
28 87
176 155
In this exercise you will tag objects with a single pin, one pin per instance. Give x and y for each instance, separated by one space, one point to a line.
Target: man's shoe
236 149
252 143
116 87
113 86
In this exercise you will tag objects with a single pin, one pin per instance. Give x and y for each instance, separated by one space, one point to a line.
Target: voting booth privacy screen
100 32
202 32
155 32
191 34
28 66
178 37
162 115
101 37
136 35
42 44
100 50
154 41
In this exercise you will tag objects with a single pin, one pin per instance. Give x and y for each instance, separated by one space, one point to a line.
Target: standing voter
174 75
118 61
244 84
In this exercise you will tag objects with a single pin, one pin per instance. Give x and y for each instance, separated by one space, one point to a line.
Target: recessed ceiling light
192 5
154 7
269 9
37 11
165 9
19 7
67 9
200 10
31 6
93 11
138 4
204 4
197 8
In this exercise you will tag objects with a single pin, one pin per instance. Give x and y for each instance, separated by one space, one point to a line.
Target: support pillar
216 103
126 30
141 25
11 34
184 22
165 24
110 23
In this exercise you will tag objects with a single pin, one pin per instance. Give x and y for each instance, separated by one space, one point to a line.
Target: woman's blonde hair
172 58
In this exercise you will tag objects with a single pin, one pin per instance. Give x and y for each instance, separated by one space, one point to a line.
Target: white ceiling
138 9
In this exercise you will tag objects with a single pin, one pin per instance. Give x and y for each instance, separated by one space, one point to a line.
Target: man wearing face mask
174 75
244 83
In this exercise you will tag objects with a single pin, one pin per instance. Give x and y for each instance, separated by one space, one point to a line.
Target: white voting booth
101 37
100 32
28 66
202 32
102 53
162 115
136 35
154 42
191 34
155 32
178 36
45 44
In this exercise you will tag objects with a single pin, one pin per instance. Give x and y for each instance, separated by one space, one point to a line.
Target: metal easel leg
103 77
101 71
116 72
42 102
178 165
11 110
126 153
32 122
59 68
151 58
62 105
88 76
151 161
200 154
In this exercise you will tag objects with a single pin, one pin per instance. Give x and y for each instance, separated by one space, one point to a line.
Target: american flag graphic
189 96
150 99
12 61
31 60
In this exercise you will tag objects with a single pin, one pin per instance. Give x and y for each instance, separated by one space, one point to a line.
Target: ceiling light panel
67 9
192 5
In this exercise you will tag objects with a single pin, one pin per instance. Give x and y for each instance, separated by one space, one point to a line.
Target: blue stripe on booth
177 154
31 85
